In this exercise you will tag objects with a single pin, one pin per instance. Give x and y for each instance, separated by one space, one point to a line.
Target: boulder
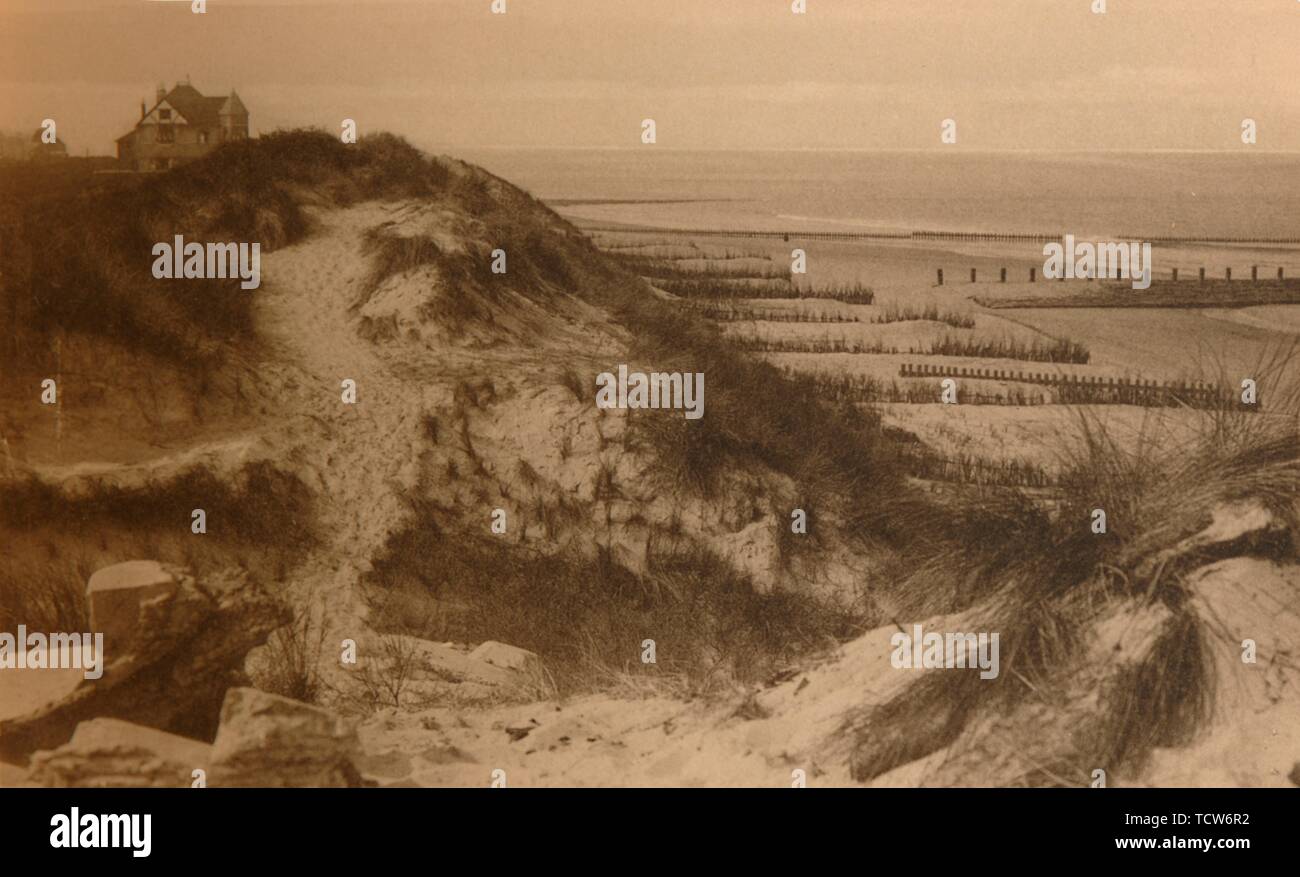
381 766
112 753
506 656
268 741
116 593
186 647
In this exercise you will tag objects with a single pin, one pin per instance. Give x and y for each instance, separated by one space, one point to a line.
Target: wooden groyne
1172 281
1090 389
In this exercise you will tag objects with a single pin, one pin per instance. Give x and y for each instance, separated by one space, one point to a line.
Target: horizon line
870 149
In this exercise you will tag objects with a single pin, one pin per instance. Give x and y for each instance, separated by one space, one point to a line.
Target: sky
713 74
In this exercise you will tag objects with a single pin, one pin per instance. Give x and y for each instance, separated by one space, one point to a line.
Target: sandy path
361 457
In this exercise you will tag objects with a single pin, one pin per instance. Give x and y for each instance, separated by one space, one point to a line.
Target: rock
188 646
107 753
269 741
520 730
26 692
115 594
446 755
384 765
506 656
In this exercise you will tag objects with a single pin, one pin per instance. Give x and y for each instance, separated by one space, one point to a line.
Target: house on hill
181 126
39 150
16 147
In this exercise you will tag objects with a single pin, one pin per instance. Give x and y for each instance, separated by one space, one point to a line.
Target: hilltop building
182 125
16 147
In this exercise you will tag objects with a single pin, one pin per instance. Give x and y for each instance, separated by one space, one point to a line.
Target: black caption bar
531 826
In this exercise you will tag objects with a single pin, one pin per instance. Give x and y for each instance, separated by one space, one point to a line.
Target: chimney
161 93
143 111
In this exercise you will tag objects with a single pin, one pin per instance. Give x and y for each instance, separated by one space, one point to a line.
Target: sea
1104 195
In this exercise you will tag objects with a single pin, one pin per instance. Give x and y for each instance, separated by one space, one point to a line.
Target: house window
165 115
166 134
203 136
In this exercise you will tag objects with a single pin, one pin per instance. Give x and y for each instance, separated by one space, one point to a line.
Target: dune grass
908 313
1035 573
82 262
1055 350
726 312
721 288
1045 580
586 615
1002 348
1031 570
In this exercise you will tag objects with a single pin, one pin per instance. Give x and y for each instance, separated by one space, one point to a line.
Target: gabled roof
194 107
205 112
233 106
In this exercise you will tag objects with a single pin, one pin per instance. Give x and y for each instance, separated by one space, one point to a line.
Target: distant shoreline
912 235
855 150
575 202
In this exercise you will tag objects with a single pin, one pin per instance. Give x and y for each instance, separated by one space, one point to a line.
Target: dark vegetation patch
728 288
259 520
586 616
81 260
1035 351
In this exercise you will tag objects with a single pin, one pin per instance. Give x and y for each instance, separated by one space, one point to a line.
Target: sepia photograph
888 396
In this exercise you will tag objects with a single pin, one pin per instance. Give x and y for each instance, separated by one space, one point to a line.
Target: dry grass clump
290 666
1055 350
727 312
1044 580
896 314
587 616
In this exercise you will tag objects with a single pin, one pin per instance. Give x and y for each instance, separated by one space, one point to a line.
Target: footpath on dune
364 460
360 458
396 400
